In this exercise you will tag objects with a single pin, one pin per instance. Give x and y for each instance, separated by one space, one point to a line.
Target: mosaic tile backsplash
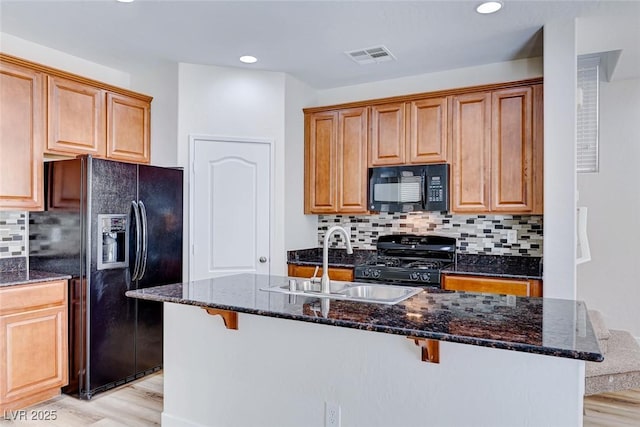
476 234
13 232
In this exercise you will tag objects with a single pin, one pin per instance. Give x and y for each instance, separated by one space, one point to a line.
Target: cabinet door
427 131
75 116
387 144
538 150
512 151
518 287
22 133
352 160
33 343
471 163
335 273
321 136
128 128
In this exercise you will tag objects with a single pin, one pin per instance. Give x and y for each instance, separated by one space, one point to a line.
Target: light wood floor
136 404
612 409
140 404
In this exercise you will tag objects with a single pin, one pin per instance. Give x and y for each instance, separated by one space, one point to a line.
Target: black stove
408 259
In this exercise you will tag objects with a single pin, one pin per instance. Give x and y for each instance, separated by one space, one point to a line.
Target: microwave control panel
437 187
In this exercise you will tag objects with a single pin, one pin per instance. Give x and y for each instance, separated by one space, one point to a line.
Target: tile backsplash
476 234
13 234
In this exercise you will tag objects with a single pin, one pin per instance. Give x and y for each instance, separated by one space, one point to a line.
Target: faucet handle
315 277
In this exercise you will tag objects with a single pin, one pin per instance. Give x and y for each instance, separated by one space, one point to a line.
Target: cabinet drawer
32 296
518 287
335 273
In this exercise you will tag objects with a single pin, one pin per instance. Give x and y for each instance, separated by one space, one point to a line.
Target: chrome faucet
325 282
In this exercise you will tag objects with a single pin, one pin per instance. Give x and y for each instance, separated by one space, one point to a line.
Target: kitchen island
502 360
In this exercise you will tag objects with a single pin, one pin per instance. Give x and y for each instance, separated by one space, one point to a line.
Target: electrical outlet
512 236
331 414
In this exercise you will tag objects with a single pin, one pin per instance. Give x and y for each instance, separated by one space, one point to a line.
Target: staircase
620 369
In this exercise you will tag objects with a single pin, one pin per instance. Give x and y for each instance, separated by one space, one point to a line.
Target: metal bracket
430 349
230 318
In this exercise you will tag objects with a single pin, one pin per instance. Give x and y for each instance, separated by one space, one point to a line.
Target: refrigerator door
160 196
111 315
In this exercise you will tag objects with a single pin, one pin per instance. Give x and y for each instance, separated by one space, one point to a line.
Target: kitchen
276 102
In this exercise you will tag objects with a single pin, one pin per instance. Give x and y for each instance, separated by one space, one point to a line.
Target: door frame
193 138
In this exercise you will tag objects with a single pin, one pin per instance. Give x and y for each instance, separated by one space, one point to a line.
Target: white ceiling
306 39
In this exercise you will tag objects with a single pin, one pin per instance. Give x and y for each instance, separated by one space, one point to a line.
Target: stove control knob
426 277
414 276
367 272
376 274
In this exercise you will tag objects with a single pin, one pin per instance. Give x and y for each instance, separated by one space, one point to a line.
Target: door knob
262 259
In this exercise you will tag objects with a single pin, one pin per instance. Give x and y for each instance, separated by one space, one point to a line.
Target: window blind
587 117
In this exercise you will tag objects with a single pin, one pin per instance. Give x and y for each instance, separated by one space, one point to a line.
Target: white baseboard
169 420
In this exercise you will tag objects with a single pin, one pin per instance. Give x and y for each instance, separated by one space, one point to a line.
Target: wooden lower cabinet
335 273
33 343
484 284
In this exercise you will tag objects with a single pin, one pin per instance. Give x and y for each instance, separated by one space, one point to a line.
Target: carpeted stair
620 369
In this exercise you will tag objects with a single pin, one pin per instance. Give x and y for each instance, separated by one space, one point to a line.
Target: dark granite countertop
554 327
518 267
338 257
12 278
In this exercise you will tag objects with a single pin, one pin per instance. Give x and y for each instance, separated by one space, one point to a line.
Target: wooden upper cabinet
471 140
352 160
22 133
336 161
497 140
387 144
512 150
75 118
538 149
128 128
427 131
320 162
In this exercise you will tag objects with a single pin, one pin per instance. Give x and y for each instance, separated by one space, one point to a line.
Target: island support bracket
430 349
230 318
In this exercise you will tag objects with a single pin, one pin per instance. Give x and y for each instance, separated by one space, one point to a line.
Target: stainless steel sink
351 291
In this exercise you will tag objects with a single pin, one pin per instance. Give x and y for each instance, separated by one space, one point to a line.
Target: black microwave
409 188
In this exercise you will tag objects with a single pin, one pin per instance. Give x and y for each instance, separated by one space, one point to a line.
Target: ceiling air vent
371 55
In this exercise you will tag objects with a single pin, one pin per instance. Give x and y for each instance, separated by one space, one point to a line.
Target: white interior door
230 207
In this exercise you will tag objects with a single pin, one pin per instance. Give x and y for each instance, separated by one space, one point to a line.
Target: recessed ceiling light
489 7
248 59
124 1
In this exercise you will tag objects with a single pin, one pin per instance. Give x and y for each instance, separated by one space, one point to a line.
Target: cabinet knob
262 259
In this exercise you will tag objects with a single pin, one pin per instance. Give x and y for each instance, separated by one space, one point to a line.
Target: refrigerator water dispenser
113 247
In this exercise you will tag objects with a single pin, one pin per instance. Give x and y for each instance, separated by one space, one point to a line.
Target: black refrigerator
113 227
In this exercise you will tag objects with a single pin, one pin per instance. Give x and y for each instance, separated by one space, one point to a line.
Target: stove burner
425 265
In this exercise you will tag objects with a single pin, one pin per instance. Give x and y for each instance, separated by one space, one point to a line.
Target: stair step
600 329
620 369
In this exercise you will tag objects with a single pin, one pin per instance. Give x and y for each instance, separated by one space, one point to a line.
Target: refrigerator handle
136 214
145 240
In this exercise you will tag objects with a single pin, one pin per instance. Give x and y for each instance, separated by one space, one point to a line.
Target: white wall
610 282
160 80
278 372
300 230
232 102
471 76
559 160
157 80
25 49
